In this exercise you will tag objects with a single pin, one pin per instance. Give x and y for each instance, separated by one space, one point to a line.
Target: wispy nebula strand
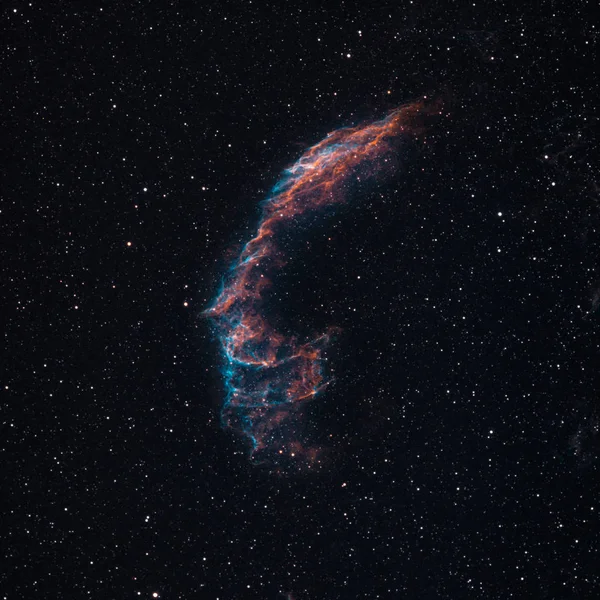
269 375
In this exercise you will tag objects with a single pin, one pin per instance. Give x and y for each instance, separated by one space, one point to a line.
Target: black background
463 425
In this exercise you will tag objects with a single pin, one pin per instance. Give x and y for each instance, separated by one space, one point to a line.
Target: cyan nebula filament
270 376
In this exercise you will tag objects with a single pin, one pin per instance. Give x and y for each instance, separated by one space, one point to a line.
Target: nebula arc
268 375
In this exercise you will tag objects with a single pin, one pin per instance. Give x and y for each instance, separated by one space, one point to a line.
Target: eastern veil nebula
269 376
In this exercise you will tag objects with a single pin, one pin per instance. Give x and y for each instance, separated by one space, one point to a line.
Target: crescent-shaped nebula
269 376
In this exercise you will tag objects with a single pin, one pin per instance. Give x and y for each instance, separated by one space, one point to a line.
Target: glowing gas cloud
268 375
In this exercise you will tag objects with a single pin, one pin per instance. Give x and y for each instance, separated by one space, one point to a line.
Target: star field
460 436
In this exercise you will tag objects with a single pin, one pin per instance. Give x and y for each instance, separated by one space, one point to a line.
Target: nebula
270 376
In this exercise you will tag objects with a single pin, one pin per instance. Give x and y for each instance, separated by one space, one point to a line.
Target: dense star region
269 375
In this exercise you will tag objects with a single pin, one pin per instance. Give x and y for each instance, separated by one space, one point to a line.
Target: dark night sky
463 427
